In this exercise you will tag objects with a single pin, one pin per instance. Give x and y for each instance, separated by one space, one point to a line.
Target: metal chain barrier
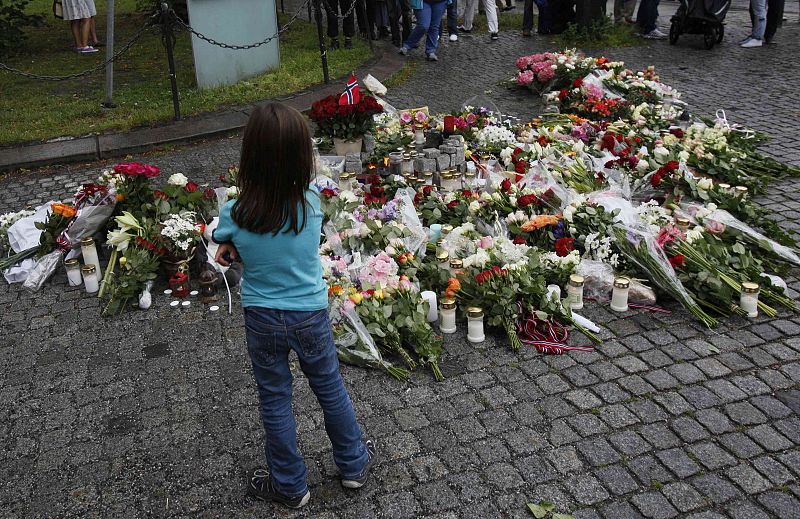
212 41
331 11
125 48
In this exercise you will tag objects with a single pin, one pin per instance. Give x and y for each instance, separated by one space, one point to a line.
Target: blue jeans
429 18
270 336
647 16
758 15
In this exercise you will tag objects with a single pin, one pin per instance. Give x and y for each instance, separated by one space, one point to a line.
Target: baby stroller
704 17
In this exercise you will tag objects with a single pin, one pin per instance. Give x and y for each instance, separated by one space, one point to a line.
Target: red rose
160 194
521 167
542 140
208 193
516 152
466 193
577 83
505 185
191 187
328 192
376 190
149 171
564 246
677 132
608 142
655 180
672 165
427 190
452 204
563 94
222 178
677 260
496 270
519 240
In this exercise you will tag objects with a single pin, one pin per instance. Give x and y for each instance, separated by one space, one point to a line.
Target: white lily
128 222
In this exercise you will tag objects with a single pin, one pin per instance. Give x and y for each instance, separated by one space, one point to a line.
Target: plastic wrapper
599 283
42 270
329 167
374 86
418 240
354 344
752 236
611 199
90 218
482 101
540 178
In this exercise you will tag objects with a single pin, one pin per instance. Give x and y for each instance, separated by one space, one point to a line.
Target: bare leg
75 25
93 31
85 28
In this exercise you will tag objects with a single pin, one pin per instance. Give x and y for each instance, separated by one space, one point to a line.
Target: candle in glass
740 191
575 292
73 269
682 223
456 267
89 252
619 297
725 188
447 316
475 325
428 178
430 297
749 299
443 257
90 279
396 163
344 182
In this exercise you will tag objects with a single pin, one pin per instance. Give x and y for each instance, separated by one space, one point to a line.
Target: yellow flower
356 298
378 294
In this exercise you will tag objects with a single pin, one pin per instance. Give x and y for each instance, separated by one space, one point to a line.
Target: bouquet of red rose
344 121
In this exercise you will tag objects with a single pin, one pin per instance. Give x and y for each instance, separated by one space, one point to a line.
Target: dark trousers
647 16
399 20
338 7
527 16
365 17
452 17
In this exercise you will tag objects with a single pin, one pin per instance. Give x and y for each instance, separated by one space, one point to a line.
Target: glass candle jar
619 297
89 252
344 182
740 191
443 257
73 269
396 163
419 137
575 292
408 165
725 188
90 279
469 180
427 178
475 325
430 298
682 223
748 300
435 231
446 229
447 316
456 267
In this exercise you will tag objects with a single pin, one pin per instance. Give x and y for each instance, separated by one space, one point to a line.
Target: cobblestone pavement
155 414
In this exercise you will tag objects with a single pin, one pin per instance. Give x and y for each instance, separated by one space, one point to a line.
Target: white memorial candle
475 325
430 297
73 272
748 300
619 297
90 279
89 252
447 316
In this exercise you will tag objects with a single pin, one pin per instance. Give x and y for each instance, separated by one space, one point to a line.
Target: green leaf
563 516
537 510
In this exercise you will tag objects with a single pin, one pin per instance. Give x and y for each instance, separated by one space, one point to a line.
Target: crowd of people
393 19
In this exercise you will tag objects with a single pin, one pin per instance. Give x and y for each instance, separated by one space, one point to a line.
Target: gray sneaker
358 482
432 57
655 34
403 50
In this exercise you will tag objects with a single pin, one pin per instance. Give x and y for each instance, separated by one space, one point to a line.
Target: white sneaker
746 39
655 34
752 42
454 37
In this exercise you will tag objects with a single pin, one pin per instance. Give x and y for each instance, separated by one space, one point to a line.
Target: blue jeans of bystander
270 336
429 18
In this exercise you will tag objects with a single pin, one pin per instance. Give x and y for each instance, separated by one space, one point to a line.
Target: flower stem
511 331
109 272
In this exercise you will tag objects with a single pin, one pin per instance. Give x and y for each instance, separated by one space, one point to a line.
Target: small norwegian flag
351 95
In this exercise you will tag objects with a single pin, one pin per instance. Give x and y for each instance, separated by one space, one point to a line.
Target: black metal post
309 10
168 39
283 8
323 53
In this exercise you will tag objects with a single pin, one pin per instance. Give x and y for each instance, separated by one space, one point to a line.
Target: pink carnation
525 78
405 117
545 75
421 117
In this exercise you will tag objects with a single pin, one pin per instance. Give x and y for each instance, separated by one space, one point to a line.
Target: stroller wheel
674 32
710 38
720 33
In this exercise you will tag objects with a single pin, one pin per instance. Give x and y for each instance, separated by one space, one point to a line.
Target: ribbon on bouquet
547 337
650 308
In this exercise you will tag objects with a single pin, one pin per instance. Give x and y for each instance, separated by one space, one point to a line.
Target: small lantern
208 286
179 282
449 124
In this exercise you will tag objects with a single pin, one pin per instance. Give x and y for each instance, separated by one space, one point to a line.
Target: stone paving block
678 462
621 510
562 434
583 399
714 421
683 496
587 425
689 429
673 402
780 504
715 488
565 460
586 489
647 469
611 392
654 505
773 470
740 445
747 478
745 510
598 452
662 380
617 480
636 385
766 436
770 406
534 469
711 456
659 436
629 443
647 411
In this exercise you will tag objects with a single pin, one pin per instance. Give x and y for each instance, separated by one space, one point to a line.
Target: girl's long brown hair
274 171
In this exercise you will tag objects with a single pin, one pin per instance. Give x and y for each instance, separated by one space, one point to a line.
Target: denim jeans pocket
261 346
310 340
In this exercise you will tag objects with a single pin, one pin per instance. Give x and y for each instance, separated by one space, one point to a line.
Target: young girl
274 227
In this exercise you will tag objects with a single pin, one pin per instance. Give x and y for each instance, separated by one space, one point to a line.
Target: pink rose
348 306
471 118
405 284
486 242
405 117
421 117
714 227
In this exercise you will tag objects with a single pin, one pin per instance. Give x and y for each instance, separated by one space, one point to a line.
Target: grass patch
509 20
37 110
602 34
402 75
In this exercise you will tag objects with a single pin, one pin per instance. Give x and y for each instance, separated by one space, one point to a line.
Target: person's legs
527 17
332 13
432 42
406 12
395 11
469 13
349 23
86 25
75 27
760 13
774 18
491 16
628 7
423 19
268 345
647 15
452 17
311 337
92 31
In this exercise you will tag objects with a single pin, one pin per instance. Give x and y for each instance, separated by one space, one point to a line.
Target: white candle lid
174 303
168 292
213 308
185 304
193 293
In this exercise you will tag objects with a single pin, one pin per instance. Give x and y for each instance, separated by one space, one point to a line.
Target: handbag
58 9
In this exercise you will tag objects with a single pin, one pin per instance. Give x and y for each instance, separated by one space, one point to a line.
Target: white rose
513 201
474 206
233 192
705 184
683 156
178 179
661 153
642 166
390 250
